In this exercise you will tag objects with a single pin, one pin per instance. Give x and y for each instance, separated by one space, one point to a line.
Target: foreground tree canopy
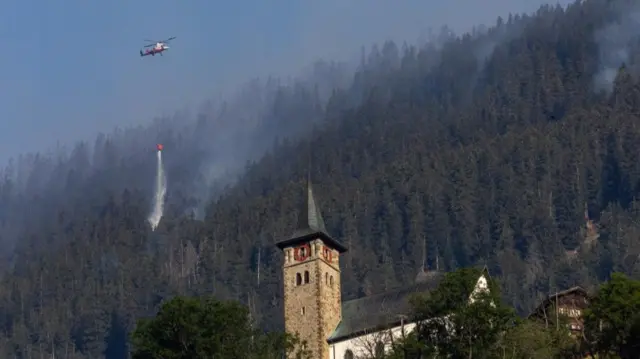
613 318
187 328
449 326
486 328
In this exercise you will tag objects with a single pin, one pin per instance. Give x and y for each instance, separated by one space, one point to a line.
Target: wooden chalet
570 304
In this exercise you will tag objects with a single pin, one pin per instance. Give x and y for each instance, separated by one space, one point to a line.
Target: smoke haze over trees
486 147
95 80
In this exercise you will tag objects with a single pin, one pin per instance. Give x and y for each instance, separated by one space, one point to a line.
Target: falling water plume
158 198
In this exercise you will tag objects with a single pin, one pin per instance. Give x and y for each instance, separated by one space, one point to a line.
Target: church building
313 306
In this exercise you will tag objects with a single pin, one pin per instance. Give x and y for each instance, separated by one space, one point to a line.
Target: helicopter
157 47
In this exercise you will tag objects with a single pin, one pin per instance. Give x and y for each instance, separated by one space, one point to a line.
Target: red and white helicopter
156 48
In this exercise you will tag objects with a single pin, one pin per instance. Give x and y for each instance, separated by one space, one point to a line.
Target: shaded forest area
486 148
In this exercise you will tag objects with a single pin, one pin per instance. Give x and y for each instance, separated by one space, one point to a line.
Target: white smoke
614 45
158 199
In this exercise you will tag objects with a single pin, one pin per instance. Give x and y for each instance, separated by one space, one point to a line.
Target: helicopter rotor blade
167 40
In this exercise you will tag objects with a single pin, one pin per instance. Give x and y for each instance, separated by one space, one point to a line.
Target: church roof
310 225
380 311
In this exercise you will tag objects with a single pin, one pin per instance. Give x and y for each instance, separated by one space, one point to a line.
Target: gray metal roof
381 311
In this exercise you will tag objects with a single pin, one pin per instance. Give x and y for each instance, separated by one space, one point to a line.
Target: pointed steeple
310 224
309 218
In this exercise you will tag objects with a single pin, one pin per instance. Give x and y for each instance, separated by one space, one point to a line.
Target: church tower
312 299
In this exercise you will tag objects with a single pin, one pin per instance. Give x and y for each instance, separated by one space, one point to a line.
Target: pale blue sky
71 68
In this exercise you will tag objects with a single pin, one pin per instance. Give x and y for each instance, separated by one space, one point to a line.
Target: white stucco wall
364 346
482 285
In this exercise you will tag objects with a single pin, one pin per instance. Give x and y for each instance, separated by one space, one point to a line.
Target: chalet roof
310 225
545 303
380 311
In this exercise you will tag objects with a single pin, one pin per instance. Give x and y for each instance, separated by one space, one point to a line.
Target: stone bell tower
312 299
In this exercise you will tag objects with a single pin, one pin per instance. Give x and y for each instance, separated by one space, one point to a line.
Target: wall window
306 276
303 311
571 312
326 278
298 279
348 354
331 281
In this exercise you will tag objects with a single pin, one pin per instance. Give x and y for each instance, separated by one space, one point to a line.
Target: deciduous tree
208 328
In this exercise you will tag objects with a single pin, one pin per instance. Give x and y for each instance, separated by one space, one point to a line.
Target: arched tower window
306 276
348 354
331 281
326 278
379 350
298 279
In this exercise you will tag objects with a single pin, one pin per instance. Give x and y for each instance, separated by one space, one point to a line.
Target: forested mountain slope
494 164
488 149
205 148
68 204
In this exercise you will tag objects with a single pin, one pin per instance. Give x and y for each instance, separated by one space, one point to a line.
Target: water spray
160 192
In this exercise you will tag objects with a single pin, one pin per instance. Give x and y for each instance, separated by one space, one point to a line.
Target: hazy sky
71 68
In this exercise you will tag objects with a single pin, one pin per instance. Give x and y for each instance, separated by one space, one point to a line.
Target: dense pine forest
513 146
